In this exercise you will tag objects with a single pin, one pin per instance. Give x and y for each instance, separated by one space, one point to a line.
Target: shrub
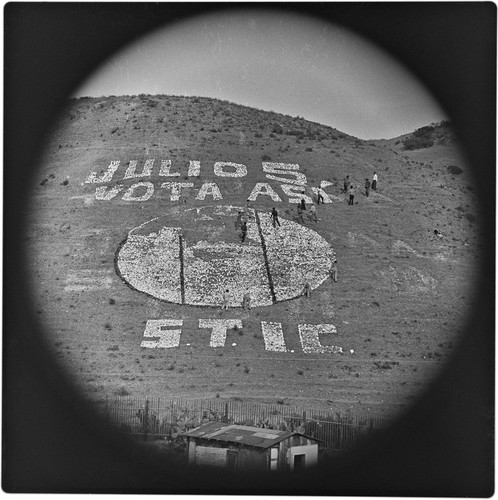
422 138
265 157
453 169
277 129
296 132
386 365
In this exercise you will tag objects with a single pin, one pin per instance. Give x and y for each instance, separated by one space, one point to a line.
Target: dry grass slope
400 302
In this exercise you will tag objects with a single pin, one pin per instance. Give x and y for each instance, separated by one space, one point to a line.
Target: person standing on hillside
351 195
274 217
244 230
333 271
374 181
246 301
300 213
346 184
303 203
319 195
312 214
226 300
367 187
307 290
238 222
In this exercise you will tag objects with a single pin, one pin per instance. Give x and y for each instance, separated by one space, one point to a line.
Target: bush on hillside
296 132
420 139
453 169
277 129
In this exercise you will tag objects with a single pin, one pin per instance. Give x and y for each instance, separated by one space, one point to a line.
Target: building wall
310 451
297 445
252 459
215 454
191 445
210 455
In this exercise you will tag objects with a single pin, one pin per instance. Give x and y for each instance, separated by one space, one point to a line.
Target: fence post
146 420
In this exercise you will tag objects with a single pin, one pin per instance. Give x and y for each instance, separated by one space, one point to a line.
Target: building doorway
299 461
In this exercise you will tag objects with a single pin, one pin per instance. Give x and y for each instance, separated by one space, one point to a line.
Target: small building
240 447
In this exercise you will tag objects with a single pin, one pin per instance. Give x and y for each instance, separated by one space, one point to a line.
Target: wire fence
170 418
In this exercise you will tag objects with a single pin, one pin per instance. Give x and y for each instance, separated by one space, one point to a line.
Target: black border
444 447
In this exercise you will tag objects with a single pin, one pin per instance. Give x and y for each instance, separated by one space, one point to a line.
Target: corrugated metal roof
243 434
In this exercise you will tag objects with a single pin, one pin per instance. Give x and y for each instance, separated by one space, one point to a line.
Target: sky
274 61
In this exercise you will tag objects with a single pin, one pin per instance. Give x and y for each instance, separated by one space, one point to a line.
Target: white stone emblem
191 256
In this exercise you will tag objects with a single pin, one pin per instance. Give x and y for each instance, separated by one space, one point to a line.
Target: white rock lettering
130 193
219 329
310 339
273 336
167 338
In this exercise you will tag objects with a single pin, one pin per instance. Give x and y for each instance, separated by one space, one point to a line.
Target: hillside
397 309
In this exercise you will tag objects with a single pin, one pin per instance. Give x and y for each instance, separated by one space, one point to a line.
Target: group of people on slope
301 209
349 188
241 225
241 221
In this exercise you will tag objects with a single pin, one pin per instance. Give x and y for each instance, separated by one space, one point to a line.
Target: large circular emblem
191 256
